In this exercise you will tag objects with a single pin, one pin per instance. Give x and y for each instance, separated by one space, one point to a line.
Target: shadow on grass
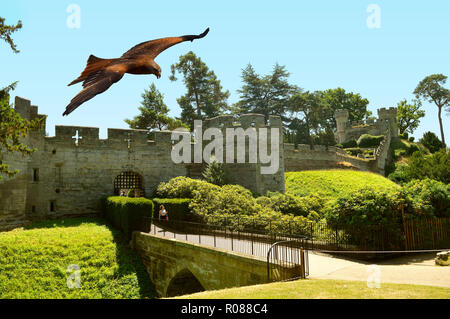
68 222
128 261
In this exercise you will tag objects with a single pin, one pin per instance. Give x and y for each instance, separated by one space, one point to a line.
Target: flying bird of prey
100 74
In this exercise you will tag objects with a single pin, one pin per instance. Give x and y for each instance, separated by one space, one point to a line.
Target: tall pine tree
267 94
205 97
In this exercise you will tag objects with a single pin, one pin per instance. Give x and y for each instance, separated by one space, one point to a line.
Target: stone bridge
178 267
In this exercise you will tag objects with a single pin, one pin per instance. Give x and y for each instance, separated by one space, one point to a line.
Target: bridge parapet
199 267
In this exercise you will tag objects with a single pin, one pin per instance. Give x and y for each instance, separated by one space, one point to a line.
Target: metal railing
287 260
252 242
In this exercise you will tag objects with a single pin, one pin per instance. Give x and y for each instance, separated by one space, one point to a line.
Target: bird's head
155 69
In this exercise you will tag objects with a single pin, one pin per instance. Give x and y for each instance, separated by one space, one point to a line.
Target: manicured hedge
127 213
367 140
354 151
177 208
349 143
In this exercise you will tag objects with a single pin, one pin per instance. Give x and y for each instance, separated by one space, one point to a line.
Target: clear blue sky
324 44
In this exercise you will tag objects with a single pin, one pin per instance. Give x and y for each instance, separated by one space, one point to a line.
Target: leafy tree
154 113
215 173
409 115
310 106
327 137
5 33
431 141
435 166
13 128
340 99
267 94
431 89
204 97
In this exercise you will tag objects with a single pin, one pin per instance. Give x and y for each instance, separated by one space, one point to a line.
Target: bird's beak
158 75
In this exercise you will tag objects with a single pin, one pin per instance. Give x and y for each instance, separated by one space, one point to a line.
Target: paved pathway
416 269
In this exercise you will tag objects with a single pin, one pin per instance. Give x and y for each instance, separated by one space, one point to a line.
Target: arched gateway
128 180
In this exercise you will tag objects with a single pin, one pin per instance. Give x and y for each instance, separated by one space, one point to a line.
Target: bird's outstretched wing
155 47
96 83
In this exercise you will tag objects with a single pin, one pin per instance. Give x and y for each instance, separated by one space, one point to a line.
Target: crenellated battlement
387 113
346 130
244 121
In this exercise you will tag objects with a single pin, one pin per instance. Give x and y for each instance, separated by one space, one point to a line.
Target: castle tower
341 117
391 116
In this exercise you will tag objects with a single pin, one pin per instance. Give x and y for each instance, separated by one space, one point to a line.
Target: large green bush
177 208
128 213
235 207
428 198
367 213
367 140
182 187
310 206
435 166
431 141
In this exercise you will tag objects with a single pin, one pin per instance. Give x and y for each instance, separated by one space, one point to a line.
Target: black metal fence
315 235
282 251
287 260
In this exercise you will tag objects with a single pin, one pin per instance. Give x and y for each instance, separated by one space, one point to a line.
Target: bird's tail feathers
93 64
193 37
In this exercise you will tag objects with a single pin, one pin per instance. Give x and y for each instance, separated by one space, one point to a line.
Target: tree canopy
432 90
205 97
340 99
13 128
409 115
267 94
154 113
5 33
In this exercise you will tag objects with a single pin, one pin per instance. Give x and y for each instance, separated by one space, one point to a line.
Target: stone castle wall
346 130
71 171
320 157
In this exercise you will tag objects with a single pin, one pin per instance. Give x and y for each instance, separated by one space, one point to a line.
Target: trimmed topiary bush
177 208
367 140
127 214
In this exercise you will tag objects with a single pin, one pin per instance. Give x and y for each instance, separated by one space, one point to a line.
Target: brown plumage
100 74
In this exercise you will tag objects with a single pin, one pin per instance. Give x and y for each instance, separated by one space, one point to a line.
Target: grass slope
325 289
34 262
332 184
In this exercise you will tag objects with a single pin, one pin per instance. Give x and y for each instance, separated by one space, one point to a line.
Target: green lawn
34 262
332 184
325 289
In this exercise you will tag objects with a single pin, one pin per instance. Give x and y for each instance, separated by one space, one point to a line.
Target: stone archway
128 180
183 283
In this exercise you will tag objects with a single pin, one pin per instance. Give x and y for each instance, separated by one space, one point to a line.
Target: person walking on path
163 213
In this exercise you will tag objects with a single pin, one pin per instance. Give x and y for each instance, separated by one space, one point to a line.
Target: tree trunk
199 111
442 129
